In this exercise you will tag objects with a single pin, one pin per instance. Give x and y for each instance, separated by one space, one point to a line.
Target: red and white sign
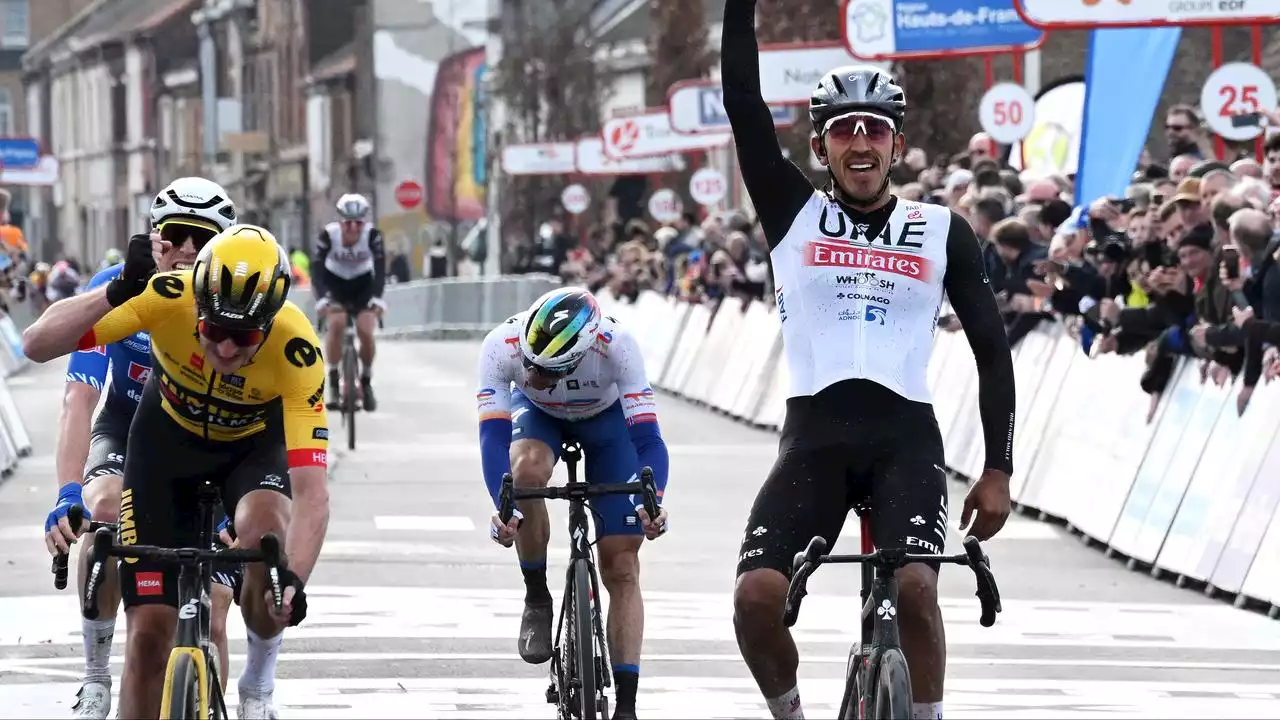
1007 112
575 199
836 254
538 159
789 73
1236 89
665 206
708 186
139 373
1085 14
651 134
592 161
409 194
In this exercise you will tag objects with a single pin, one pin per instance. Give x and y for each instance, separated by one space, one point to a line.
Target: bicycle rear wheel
349 371
182 690
893 687
584 638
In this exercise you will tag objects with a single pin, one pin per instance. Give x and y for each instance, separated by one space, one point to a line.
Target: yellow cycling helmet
241 278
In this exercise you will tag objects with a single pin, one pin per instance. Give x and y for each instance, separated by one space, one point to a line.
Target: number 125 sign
1236 89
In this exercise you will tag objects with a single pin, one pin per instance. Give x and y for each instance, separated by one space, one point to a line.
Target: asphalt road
414 612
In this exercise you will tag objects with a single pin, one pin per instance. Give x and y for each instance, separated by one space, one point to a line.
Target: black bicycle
349 375
877 680
580 658
191 676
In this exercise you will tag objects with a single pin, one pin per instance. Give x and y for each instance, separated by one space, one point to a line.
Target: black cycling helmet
857 87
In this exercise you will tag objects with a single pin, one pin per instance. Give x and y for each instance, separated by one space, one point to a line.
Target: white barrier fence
1193 493
15 443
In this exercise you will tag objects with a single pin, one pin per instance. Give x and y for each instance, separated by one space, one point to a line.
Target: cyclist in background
576 375
89 455
350 271
860 277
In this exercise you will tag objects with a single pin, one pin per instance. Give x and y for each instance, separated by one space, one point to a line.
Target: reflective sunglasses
875 127
177 234
241 337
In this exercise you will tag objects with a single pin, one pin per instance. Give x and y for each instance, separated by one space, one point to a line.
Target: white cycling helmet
559 330
194 201
353 206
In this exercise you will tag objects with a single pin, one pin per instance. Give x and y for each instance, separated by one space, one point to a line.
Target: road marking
425 523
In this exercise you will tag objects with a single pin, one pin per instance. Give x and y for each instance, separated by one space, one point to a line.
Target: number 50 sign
1007 112
1237 90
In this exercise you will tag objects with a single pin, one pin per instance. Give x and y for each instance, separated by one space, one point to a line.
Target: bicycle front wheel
181 699
349 374
852 701
893 687
584 636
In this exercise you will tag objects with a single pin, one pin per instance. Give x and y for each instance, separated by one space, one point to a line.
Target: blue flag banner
1124 77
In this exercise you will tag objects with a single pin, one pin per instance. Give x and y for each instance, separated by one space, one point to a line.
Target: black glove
299 604
139 266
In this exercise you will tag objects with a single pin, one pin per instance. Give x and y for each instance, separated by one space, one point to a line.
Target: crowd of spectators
1183 264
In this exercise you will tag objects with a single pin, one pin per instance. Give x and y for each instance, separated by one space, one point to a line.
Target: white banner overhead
593 161
539 159
697 106
1065 14
651 134
789 72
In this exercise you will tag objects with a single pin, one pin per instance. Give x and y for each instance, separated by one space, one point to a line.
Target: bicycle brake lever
796 593
987 592
506 499
274 561
102 541
650 493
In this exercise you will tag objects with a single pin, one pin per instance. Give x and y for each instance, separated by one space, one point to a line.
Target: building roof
107 21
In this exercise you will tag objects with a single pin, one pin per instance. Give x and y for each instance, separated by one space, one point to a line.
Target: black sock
535 582
625 678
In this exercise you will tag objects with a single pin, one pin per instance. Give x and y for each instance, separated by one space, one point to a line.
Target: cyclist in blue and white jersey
90 451
558 371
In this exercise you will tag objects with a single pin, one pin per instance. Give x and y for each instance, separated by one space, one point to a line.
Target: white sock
97 649
787 705
259 676
926 711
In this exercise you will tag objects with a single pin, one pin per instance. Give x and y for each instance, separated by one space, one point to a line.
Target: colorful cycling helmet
560 329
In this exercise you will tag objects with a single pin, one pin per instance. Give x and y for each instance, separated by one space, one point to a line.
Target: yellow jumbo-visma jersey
287 371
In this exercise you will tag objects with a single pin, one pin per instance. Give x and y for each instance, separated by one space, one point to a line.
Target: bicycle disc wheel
584 637
893 687
182 695
349 371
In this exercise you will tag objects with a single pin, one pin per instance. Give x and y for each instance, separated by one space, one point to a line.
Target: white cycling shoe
256 708
93 700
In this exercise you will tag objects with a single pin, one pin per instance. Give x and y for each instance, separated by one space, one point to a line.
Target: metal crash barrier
1192 494
15 442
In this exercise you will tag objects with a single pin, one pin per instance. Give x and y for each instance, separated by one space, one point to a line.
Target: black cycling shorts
107 441
856 444
356 292
163 471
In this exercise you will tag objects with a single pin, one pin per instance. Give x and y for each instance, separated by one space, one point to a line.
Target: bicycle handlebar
889 560
645 486
75 517
268 553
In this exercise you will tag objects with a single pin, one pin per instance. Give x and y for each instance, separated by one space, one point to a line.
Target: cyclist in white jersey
556 372
350 272
860 277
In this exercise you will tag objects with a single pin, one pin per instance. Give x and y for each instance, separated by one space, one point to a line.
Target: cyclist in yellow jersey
235 396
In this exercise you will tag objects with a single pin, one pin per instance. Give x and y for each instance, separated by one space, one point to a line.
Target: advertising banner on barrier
1087 14
790 71
593 161
924 29
697 106
651 134
538 159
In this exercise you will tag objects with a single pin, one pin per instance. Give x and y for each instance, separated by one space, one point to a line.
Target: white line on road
427 523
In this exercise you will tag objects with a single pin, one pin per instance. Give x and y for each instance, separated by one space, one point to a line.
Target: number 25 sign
1240 91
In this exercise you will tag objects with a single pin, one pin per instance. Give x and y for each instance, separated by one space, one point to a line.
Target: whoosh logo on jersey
831 254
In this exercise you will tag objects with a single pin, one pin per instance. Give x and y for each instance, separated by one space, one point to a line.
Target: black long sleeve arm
778 188
974 304
379 250
319 273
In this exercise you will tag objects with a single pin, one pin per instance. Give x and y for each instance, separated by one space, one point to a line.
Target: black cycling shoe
335 391
620 714
535 632
366 392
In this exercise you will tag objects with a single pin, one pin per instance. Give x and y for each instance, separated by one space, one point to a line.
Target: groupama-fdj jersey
285 376
858 295
606 404
128 361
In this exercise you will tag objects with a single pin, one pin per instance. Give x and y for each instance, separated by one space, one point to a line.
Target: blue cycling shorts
609 456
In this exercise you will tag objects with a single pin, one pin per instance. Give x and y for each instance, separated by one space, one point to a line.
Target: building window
14 32
6 113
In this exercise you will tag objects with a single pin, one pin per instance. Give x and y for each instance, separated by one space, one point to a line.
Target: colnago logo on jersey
822 253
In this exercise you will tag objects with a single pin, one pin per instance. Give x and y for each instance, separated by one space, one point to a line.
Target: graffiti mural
456 140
